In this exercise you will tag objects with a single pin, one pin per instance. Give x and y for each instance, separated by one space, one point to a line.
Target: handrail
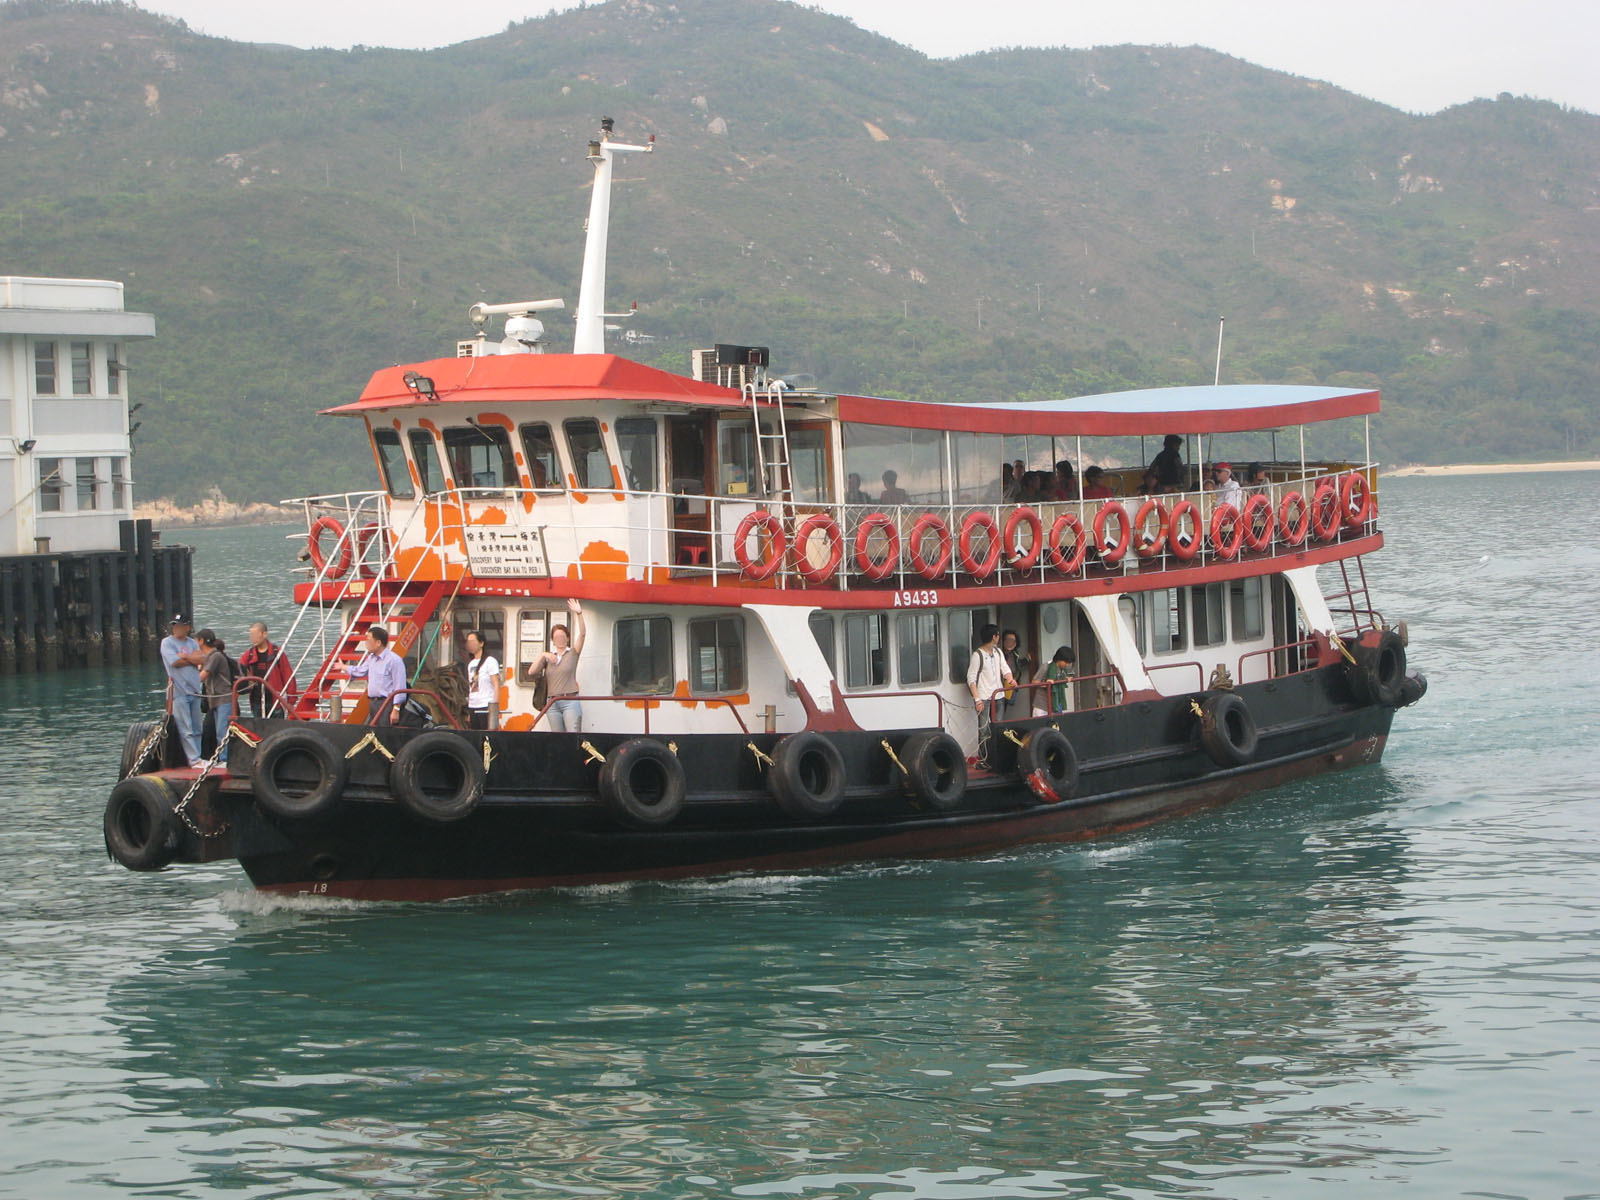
652 701
1200 671
249 683
408 692
901 695
1050 708
1271 674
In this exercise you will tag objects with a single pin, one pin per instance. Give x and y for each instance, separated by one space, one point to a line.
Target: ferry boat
775 673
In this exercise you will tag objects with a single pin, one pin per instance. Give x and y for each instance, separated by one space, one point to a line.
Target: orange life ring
869 567
1356 513
1111 556
1023 561
1257 506
1068 564
1325 511
341 567
1153 547
979 568
1293 532
929 522
818 572
1226 547
767 565
1181 549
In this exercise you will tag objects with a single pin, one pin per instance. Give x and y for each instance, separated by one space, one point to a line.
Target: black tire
438 776
298 774
141 823
1048 765
642 784
936 769
1413 689
807 776
138 734
1378 675
1227 730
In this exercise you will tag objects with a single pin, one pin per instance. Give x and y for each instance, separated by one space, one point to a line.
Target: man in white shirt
987 674
1228 489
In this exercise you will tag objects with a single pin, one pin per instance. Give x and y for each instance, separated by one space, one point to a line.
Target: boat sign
498 552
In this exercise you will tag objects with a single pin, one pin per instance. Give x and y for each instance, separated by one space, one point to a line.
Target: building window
119 483
636 446
114 369
590 464
716 656
544 467
1166 621
866 650
86 485
918 634
44 368
822 630
82 368
480 457
425 451
641 663
964 626
392 458
50 485
1249 620
1206 615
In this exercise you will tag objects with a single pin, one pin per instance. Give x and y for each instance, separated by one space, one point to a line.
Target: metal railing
1118 690
1297 647
646 704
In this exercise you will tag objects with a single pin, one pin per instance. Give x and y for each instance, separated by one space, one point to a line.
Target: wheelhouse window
964 626
544 464
866 650
590 463
822 630
810 481
392 458
716 656
86 485
1245 599
736 459
1167 634
44 368
641 662
1206 619
918 636
82 368
425 452
50 486
636 446
480 456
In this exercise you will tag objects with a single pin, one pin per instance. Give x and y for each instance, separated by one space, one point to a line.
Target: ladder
772 448
403 607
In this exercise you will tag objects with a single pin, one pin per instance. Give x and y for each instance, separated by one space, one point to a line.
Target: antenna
591 315
1217 381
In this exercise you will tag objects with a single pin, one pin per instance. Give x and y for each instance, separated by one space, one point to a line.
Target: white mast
591 316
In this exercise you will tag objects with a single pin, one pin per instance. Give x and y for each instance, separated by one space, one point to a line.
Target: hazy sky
1420 55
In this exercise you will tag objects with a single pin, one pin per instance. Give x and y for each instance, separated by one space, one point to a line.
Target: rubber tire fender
1227 730
333 772
1048 765
1413 689
141 823
807 776
936 769
631 799
405 776
136 736
1378 676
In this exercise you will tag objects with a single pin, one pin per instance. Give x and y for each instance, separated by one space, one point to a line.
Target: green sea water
1384 980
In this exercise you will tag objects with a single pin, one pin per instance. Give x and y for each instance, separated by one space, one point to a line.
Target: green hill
1020 223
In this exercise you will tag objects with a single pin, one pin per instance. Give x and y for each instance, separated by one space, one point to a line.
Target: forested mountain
1014 224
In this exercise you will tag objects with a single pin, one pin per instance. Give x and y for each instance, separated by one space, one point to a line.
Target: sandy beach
1491 468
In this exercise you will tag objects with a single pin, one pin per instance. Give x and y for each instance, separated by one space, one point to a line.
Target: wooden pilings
92 608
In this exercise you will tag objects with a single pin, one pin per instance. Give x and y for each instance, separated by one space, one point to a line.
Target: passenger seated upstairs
1094 485
892 492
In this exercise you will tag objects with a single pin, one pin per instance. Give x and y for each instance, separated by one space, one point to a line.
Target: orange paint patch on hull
600 561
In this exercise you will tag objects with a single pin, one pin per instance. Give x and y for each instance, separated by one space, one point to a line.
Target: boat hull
1139 763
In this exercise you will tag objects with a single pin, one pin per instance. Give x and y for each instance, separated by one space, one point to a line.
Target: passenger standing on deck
483 685
216 681
182 656
1168 465
560 667
266 662
1021 668
987 674
384 671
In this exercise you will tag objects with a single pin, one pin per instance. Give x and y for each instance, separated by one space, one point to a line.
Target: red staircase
403 607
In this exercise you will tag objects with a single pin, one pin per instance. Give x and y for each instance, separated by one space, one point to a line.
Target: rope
370 740
761 757
1011 736
243 735
894 758
594 755
1333 639
488 756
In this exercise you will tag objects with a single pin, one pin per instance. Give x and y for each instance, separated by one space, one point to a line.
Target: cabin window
425 453
82 368
822 630
866 650
544 465
533 636
480 456
964 626
1132 612
1205 608
114 369
736 459
119 483
44 368
977 460
897 465
1245 596
641 663
809 478
392 458
491 622
50 485
86 485
1166 621
716 656
918 635
590 464
636 446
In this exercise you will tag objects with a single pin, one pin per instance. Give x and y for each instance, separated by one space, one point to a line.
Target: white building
64 445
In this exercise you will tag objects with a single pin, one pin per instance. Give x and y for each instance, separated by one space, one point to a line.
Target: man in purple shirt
383 669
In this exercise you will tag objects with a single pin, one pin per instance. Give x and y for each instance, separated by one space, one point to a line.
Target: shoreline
1413 469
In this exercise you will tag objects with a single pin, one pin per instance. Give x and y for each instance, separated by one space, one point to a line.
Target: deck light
421 385
25 447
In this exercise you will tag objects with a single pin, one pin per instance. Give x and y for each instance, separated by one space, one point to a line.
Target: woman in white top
483 685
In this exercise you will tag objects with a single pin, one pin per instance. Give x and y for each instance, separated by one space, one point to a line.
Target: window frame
40 387
580 463
1239 607
1214 599
120 484
1175 604
665 686
958 671
555 473
82 381
912 617
92 480
480 437
718 622
52 486
380 438
884 645
626 430
425 454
